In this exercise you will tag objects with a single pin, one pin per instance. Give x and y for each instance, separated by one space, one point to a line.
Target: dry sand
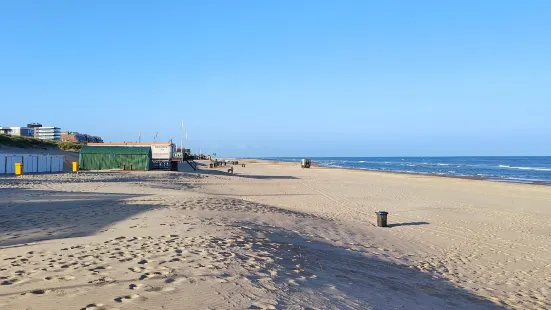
272 236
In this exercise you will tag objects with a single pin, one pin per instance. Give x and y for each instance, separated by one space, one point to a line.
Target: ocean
518 169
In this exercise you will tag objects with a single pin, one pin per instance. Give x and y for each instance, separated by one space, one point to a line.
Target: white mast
182 139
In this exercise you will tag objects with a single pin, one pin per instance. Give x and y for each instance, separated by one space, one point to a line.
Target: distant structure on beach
38 131
48 133
115 157
35 130
31 163
34 125
183 150
73 136
17 131
163 154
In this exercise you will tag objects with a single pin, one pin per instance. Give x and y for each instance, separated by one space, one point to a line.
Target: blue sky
286 78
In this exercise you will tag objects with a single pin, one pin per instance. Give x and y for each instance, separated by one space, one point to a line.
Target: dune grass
27 142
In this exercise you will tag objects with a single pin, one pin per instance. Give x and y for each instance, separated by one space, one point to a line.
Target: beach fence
32 163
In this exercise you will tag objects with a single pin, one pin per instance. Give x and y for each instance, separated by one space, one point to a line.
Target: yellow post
75 166
19 168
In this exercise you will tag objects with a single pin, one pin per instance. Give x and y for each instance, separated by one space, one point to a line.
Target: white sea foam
525 168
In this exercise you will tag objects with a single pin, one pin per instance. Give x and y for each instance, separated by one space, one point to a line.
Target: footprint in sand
137 269
175 280
60 278
126 298
8 282
93 307
145 276
262 306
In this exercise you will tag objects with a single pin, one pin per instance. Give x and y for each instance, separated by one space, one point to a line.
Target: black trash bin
382 218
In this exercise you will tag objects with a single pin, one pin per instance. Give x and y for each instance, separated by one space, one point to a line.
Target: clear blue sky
286 77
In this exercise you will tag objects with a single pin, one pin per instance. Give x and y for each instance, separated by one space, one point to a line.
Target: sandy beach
272 236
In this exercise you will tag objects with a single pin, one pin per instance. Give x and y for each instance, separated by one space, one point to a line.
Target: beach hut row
115 157
31 163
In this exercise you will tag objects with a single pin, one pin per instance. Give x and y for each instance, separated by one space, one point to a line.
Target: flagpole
186 136
182 139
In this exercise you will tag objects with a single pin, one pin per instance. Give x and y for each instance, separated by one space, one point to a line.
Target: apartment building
17 131
47 133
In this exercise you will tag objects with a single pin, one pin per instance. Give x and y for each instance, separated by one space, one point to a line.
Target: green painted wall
114 157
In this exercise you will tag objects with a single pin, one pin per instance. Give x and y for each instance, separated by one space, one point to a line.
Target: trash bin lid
382 213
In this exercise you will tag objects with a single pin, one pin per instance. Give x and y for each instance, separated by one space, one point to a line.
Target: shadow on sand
312 271
407 224
152 177
36 215
315 267
246 176
365 281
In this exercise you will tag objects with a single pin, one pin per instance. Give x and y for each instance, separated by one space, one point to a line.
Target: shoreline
463 177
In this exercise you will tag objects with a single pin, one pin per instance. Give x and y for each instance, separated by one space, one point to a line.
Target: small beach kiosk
115 157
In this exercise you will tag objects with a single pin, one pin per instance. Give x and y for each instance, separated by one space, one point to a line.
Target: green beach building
115 157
